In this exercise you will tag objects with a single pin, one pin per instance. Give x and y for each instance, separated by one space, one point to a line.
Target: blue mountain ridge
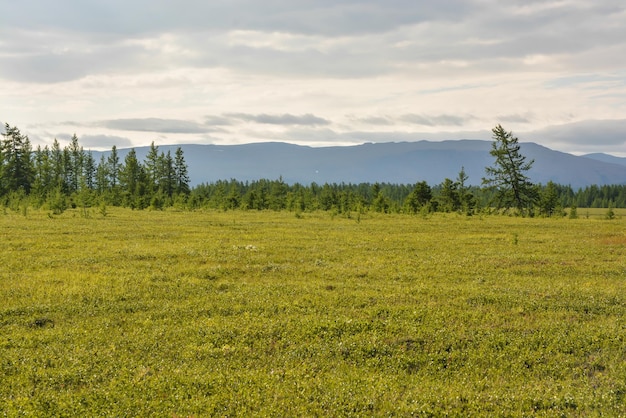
390 162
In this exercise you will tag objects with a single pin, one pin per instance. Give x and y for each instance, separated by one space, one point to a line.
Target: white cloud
321 71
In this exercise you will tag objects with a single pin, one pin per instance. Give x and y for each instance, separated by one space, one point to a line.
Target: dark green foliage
419 197
449 198
549 200
181 173
57 201
17 171
113 167
507 176
58 177
380 202
74 157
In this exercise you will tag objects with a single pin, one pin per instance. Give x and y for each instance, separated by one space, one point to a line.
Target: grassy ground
246 313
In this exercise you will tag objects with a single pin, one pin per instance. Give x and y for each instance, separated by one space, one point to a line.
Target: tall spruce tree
167 181
89 170
513 188
419 197
449 198
181 172
152 167
58 168
131 181
18 171
113 167
102 176
75 164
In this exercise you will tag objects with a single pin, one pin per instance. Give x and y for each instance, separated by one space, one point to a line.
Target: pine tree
113 167
419 197
132 182
102 176
75 164
513 188
58 168
43 182
181 173
17 166
152 167
167 177
113 171
89 170
449 196
466 197
549 199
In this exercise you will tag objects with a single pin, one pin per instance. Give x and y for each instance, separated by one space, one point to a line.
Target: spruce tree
152 167
114 166
58 168
513 188
167 175
102 176
181 172
419 197
89 170
18 171
75 164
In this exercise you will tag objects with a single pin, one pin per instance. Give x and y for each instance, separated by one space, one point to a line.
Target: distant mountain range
393 162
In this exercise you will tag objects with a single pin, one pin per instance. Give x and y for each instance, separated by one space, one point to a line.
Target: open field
260 313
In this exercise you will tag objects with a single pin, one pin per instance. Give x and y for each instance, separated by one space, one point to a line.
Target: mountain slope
403 162
606 158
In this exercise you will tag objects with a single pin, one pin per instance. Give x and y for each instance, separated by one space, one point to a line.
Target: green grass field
260 313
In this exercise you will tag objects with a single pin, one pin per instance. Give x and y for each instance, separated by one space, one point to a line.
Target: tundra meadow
255 313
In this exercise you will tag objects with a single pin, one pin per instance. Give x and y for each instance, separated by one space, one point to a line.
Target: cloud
174 126
436 120
326 136
348 38
326 17
252 70
513 118
52 58
375 120
212 120
104 142
584 135
284 119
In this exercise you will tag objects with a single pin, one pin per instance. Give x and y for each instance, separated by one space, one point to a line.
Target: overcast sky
314 72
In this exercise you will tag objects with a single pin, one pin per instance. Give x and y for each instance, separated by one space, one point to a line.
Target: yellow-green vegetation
157 313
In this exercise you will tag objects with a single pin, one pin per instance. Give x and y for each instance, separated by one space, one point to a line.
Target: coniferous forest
55 178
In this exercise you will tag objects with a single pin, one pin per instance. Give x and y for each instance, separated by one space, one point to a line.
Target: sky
314 72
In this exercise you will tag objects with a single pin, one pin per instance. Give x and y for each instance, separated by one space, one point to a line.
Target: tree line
56 178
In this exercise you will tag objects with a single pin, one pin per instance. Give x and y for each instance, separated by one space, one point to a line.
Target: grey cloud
417 119
325 135
346 61
399 136
373 37
212 120
550 27
326 17
173 126
513 118
590 134
104 141
584 80
375 120
285 119
435 120
56 63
